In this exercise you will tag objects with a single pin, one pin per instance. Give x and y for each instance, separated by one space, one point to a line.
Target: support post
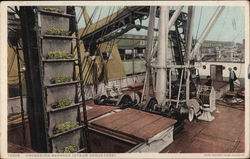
85 121
21 95
189 35
169 86
35 95
191 13
149 47
161 57
169 25
174 17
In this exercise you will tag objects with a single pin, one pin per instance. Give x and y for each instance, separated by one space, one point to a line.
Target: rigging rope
12 62
86 28
93 61
94 29
199 24
85 31
223 24
87 77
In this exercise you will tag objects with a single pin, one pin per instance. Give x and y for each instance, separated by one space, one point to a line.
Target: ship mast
161 66
190 22
149 47
161 77
149 50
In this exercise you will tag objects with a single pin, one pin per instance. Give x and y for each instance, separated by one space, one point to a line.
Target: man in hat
232 78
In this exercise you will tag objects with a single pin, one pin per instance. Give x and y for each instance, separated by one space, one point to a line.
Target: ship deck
225 134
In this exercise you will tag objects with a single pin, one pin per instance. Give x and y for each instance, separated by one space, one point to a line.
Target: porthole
204 67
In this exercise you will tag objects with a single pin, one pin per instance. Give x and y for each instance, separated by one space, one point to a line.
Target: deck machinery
177 106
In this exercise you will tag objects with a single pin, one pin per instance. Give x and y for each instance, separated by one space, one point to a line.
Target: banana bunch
57 31
60 79
61 103
69 149
62 127
57 54
53 10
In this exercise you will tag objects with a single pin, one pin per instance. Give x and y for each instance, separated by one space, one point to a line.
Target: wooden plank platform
219 84
135 123
97 111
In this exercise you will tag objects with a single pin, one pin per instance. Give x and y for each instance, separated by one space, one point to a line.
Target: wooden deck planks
155 127
108 120
127 120
119 119
220 84
240 147
98 111
123 120
210 144
225 134
136 123
229 124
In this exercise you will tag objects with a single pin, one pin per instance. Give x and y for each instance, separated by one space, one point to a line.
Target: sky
230 25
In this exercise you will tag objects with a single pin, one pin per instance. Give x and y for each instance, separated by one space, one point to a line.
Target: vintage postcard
124 79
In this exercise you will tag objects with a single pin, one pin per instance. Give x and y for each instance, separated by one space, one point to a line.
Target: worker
232 78
209 81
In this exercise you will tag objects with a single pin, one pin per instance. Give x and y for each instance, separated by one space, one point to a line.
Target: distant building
209 53
226 54
229 45
129 44
240 53
222 51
